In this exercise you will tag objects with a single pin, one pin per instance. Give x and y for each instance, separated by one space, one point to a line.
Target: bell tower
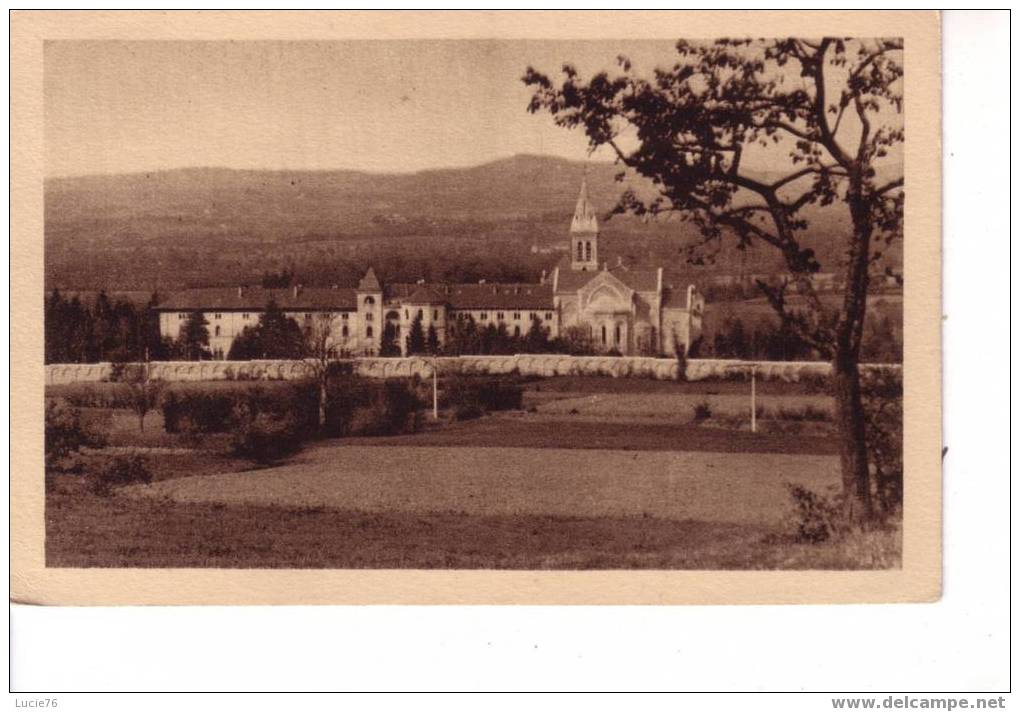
584 234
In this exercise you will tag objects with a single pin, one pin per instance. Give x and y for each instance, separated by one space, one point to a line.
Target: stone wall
524 364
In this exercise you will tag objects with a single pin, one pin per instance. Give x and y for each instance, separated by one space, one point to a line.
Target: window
483 316
369 300
245 317
580 251
368 316
344 332
499 316
517 331
517 316
217 332
407 314
308 317
435 315
617 335
180 316
548 316
603 334
344 316
587 252
368 332
217 316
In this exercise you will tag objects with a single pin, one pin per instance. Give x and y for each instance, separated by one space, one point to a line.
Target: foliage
416 338
882 394
206 411
105 330
143 393
119 471
276 336
193 340
816 518
432 340
536 340
576 341
264 437
388 344
65 433
702 411
387 408
833 126
468 395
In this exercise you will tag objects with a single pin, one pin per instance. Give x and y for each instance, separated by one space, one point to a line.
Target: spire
584 214
369 283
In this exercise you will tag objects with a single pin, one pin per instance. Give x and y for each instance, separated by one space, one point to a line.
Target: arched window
217 331
603 334
421 314
369 300
435 315
617 334
517 331
587 251
580 251
368 332
345 331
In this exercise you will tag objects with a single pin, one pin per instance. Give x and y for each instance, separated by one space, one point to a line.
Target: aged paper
37 154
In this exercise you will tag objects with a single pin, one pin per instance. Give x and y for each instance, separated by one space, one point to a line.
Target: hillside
182 227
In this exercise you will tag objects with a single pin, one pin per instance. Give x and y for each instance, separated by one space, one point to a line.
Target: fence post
435 388
754 403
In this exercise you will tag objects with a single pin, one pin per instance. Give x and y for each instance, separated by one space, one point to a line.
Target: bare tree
322 353
144 391
825 111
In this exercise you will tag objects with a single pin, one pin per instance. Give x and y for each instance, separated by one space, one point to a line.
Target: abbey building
620 309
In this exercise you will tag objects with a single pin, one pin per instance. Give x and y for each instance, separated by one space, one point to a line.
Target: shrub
816 518
206 411
808 412
882 398
66 434
702 411
484 394
468 411
265 437
119 471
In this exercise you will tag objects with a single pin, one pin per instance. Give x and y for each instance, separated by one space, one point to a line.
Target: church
617 309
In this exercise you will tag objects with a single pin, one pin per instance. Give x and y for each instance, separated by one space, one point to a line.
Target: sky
385 106
391 106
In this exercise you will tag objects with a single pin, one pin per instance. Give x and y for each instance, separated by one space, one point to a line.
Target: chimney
420 281
542 280
619 260
240 292
481 281
295 290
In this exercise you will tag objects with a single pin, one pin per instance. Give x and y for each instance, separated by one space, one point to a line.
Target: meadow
588 473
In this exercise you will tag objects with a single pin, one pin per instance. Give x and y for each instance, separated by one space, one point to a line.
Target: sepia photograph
477 304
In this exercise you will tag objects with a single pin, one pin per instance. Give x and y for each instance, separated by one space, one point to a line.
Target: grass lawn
715 487
83 530
579 432
626 481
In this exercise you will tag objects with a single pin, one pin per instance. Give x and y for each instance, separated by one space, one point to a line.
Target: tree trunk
853 452
845 365
322 403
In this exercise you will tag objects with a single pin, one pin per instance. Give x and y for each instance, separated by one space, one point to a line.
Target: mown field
590 473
